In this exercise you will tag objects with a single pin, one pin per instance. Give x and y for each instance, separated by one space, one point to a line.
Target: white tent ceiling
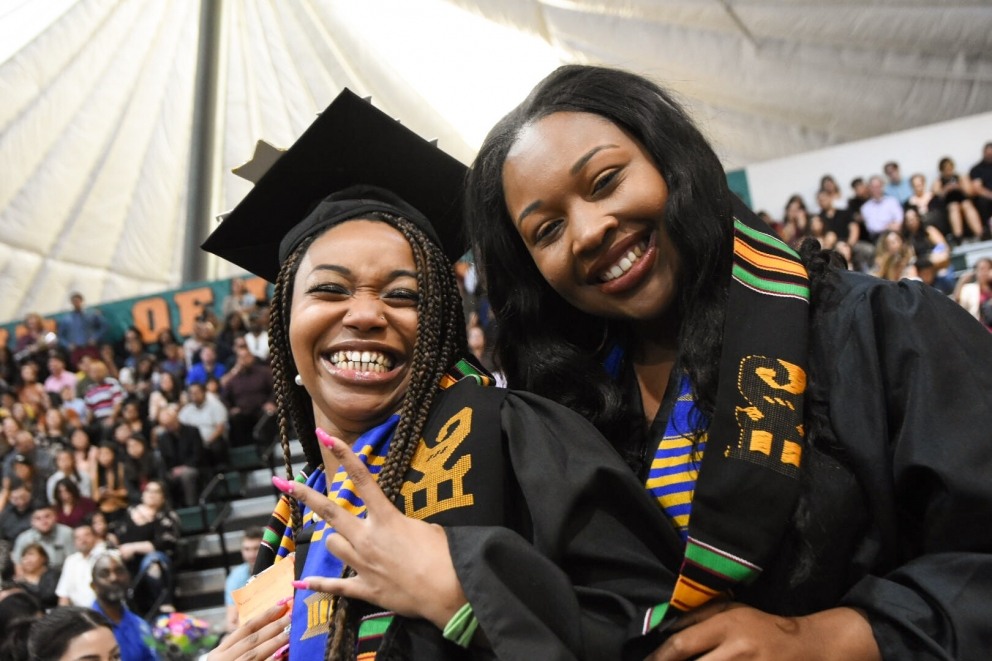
97 97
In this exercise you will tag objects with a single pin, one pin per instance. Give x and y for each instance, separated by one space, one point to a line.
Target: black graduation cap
349 144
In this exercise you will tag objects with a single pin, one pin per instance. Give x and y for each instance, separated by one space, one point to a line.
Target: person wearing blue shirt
81 331
110 582
239 575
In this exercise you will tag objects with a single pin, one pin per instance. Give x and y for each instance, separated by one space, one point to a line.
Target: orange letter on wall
190 304
151 316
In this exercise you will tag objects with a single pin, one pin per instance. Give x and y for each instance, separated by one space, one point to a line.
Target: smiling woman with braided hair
518 529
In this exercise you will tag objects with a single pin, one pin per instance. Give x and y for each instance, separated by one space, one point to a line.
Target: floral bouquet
179 637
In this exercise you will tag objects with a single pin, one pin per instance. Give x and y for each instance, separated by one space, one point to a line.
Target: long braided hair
440 343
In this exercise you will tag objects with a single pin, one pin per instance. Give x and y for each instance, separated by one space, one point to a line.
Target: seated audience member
204 332
173 362
31 393
104 397
73 634
829 185
65 462
53 430
45 530
880 212
148 535
981 183
955 191
35 574
110 583
15 517
257 336
894 258
71 507
181 449
59 377
84 452
897 187
109 489
34 342
922 197
930 245
168 393
795 221
141 465
974 291
74 587
208 414
240 300
247 392
24 472
239 575
235 325
101 526
208 366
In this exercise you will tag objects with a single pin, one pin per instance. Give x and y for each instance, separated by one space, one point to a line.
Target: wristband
461 627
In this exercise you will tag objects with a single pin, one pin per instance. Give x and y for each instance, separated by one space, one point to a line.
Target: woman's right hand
258 638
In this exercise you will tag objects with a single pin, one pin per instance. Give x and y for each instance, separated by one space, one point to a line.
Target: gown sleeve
911 400
589 555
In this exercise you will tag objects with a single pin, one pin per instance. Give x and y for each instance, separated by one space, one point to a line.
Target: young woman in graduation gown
834 429
527 525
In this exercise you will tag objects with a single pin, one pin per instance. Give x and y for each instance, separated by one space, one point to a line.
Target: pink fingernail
283 485
284 601
282 652
325 439
300 585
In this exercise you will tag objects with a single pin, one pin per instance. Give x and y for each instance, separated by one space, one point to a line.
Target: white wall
771 183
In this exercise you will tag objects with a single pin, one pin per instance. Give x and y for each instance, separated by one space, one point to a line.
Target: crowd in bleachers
101 441
897 226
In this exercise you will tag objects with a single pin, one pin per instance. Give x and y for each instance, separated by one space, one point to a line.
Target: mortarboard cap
351 143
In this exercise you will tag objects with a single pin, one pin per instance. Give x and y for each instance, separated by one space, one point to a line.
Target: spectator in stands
35 342
974 291
148 536
235 325
208 366
81 331
981 183
53 430
141 465
139 381
59 378
829 184
860 196
45 530
208 414
955 191
257 336
880 212
168 394
109 489
35 574
108 355
73 633
110 583
894 258
838 224
75 584
922 197
84 453
73 407
795 221
26 452
24 473
240 300
104 398
239 575
8 368
928 244
204 332
71 507
101 526
897 187
15 517
31 393
182 454
247 392
65 463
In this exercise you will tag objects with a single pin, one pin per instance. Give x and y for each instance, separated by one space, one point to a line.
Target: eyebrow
393 275
574 170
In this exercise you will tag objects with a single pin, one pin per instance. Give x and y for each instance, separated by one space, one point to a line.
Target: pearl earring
298 380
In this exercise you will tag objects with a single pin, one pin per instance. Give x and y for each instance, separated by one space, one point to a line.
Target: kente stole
312 558
747 484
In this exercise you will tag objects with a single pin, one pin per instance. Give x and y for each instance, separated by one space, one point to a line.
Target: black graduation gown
896 515
558 549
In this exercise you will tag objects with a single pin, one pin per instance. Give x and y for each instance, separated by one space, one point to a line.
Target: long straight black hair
543 343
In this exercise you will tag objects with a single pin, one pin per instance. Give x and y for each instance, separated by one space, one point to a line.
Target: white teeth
625 263
361 361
